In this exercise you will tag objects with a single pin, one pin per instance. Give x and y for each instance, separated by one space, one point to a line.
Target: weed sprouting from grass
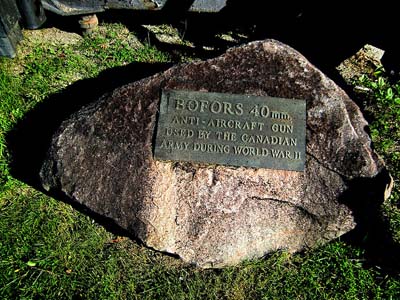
385 101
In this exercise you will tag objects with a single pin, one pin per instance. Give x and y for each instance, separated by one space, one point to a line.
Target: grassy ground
48 250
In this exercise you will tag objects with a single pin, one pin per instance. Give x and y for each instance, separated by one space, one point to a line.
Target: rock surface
214 216
365 61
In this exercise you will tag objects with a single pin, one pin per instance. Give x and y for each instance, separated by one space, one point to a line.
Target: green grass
48 250
384 105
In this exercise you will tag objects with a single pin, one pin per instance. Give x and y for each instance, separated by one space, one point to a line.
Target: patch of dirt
121 33
51 37
168 34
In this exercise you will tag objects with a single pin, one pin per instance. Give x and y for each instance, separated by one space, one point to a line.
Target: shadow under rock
372 230
31 138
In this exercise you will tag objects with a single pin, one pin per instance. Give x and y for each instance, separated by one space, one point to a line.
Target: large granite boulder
214 215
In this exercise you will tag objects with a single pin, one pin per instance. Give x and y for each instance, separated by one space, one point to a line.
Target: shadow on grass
325 33
372 230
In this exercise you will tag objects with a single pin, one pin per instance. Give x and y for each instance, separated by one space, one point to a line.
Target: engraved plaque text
231 129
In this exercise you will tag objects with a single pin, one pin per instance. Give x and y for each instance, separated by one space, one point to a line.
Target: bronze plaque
231 129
